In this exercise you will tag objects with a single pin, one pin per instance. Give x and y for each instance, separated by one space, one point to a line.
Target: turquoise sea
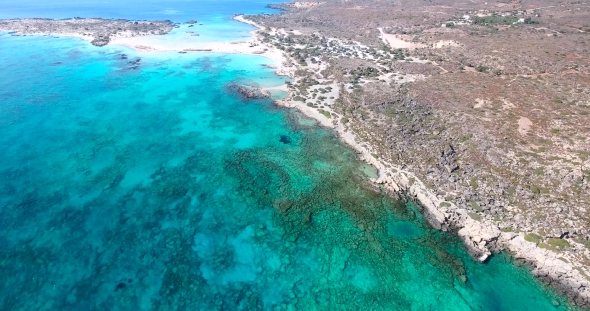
158 188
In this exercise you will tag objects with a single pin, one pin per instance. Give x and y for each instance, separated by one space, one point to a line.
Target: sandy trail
397 41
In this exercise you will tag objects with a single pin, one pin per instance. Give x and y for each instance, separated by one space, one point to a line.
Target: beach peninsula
96 30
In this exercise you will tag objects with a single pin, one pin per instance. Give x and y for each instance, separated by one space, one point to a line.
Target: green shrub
474 216
475 206
531 237
494 20
559 243
465 138
547 246
481 68
325 113
444 204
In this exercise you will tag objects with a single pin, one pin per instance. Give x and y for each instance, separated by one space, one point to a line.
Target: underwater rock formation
285 139
248 92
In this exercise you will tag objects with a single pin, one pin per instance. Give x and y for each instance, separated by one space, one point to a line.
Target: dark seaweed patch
285 139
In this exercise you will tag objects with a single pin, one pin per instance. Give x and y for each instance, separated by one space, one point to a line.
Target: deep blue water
158 188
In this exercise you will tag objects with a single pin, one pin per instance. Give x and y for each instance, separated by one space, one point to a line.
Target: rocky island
96 30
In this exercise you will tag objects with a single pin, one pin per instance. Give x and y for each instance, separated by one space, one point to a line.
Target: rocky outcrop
549 267
482 238
248 92
100 40
477 238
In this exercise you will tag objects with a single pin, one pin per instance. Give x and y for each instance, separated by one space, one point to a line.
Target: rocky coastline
481 237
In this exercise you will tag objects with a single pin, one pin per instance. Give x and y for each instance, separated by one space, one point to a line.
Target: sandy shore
253 46
180 42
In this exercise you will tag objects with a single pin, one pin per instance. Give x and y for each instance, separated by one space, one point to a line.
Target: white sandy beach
189 44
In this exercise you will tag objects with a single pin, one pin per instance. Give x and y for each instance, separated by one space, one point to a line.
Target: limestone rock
476 237
248 92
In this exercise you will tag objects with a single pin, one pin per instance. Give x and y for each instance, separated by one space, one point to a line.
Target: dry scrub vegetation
490 107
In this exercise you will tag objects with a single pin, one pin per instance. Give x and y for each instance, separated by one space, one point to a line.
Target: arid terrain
484 104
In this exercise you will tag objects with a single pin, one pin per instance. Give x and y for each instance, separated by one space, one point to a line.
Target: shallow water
158 188
213 17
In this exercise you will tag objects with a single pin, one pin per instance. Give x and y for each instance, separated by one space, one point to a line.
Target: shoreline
144 42
481 238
